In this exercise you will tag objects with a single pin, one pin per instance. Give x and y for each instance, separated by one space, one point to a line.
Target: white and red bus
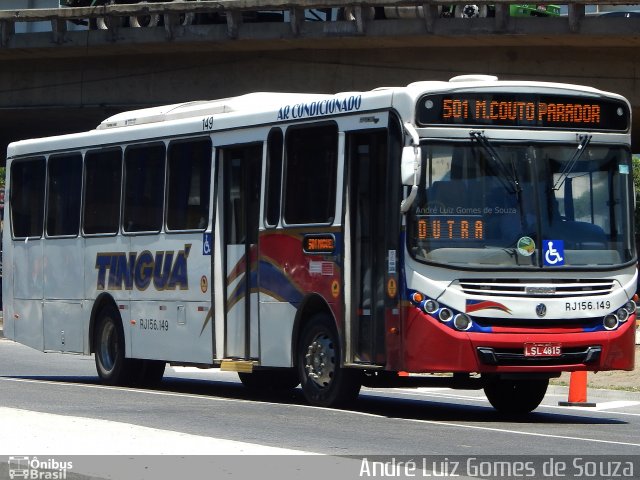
476 229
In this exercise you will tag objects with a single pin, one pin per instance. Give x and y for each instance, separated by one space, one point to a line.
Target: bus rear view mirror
410 171
410 165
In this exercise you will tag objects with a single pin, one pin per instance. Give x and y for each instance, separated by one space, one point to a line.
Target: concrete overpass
65 80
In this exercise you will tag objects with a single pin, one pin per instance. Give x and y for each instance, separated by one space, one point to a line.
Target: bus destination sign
523 110
323 243
443 227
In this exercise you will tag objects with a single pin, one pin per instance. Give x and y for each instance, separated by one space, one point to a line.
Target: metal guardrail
232 12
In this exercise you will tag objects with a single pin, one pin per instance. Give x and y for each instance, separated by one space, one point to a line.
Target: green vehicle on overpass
534 10
471 11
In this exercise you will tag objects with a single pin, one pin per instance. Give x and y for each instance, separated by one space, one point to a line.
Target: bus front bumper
430 346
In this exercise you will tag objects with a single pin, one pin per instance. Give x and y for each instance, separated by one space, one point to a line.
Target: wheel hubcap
108 347
320 361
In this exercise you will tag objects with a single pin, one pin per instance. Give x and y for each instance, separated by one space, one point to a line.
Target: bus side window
310 175
27 197
143 188
189 184
102 189
274 177
63 197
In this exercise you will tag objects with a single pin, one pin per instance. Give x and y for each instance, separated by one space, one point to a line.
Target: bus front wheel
112 366
516 396
324 382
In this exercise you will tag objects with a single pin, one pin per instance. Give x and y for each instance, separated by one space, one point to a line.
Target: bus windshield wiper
508 180
582 146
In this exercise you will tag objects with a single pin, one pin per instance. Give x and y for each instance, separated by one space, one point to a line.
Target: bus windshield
484 204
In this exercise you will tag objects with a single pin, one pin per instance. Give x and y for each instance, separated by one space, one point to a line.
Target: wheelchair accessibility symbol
206 244
553 252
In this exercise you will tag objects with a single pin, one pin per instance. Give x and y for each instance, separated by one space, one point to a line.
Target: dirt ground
616 379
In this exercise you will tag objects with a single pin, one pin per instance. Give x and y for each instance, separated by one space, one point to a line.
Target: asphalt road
214 405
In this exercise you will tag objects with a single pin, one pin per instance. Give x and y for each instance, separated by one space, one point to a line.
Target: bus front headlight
610 322
462 321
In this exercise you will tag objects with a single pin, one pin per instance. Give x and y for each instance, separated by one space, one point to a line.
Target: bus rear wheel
150 372
324 382
516 396
112 366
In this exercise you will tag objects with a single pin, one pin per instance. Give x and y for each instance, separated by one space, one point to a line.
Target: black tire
109 347
151 372
274 380
318 361
516 396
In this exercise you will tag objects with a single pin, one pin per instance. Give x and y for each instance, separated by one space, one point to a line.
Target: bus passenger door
373 239
242 167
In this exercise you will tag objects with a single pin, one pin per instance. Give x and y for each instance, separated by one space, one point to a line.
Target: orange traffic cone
577 391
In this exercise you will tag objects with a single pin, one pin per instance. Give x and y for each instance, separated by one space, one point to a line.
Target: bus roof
267 101
260 108
254 102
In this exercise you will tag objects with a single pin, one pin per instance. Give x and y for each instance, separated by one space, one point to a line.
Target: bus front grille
536 288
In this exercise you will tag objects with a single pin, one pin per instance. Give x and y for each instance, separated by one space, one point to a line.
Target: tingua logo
122 271
36 469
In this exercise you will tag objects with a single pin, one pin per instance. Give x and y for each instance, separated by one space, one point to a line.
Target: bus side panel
171 331
276 330
286 276
7 285
99 255
161 286
28 268
27 315
280 295
63 269
63 326
63 290
101 261
27 284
